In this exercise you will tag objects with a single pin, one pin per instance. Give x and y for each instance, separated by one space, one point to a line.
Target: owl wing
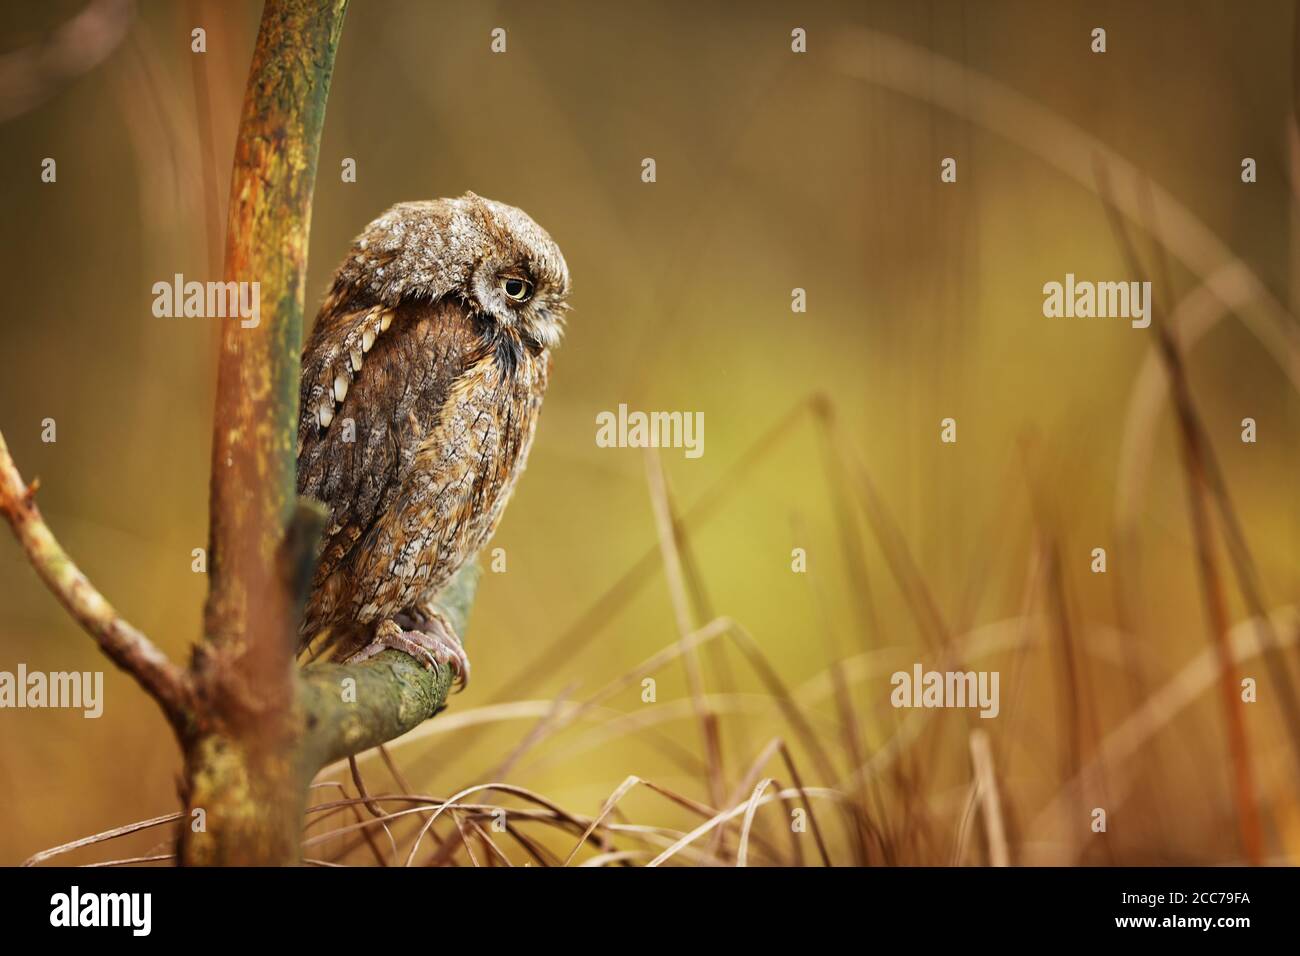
374 382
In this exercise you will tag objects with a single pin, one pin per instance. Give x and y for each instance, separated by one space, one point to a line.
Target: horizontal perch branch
124 645
348 708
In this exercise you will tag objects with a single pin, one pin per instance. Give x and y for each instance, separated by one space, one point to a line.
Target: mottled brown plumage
422 381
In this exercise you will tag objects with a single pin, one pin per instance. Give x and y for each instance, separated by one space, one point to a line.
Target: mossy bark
244 801
248 621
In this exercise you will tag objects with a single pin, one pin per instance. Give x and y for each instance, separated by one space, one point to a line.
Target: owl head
491 257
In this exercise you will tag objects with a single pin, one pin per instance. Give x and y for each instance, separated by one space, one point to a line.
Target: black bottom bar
311 906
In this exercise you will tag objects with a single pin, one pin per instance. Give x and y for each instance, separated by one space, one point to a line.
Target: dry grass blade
725 815
464 839
986 786
790 708
618 856
541 854
362 792
356 813
1194 456
1248 584
703 610
846 523
397 775
694 806
788 759
744 785
129 861
1076 715
112 834
774 746
1229 289
964 824
849 733
751 807
605 810
502 787
494 851
668 545
898 556
550 811
535 736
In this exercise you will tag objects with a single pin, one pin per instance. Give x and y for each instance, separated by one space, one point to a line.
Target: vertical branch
244 756
247 619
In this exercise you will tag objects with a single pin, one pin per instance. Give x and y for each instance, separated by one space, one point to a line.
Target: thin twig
125 646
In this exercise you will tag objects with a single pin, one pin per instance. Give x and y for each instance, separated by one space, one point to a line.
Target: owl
422 381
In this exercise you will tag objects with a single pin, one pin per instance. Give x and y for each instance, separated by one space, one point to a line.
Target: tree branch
389 694
249 620
243 765
123 644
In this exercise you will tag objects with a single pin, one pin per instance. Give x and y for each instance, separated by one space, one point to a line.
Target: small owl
422 381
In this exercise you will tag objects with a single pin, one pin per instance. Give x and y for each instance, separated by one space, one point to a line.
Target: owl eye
516 289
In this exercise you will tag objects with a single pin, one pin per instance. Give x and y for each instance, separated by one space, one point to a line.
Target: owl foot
433 644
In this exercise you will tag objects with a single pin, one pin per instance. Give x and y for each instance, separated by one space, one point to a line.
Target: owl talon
434 644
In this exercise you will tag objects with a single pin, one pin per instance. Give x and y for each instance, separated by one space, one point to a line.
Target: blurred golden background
775 171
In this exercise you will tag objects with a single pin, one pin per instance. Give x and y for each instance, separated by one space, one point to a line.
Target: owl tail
319 647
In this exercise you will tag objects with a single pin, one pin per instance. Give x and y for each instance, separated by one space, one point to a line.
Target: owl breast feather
416 461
